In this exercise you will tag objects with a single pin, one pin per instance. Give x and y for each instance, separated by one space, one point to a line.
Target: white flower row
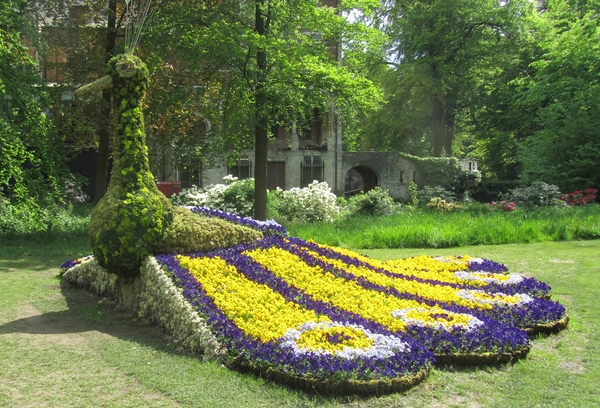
488 277
153 296
383 346
495 299
402 314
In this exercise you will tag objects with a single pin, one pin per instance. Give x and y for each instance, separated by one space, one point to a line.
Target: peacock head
122 69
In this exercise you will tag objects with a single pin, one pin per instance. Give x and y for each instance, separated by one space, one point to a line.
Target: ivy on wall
442 171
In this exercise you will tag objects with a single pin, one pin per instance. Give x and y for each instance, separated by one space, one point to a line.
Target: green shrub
491 190
430 192
27 219
374 202
238 198
538 194
465 184
22 219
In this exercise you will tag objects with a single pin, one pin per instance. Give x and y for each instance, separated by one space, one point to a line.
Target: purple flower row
269 227
530 286
525 315
270 355
492 336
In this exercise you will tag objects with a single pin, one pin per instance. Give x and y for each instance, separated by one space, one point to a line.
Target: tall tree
104 130
80 38
30 165
443 48
539 119
563 94
270 62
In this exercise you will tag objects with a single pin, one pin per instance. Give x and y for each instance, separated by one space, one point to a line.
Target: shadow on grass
85 313
43 255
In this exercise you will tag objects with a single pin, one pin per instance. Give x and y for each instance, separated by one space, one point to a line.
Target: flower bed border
337 387
549 328
483 359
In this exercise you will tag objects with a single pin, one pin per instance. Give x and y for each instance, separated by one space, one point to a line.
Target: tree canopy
262 64
511 83
30 163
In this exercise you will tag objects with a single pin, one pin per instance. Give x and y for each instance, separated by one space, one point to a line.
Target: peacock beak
97 86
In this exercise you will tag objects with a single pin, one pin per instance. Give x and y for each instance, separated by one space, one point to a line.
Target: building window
402 180
311 170
189 177
309 128
241 169
275 131
414 176
305 129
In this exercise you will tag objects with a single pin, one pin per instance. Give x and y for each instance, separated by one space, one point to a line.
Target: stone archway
360 179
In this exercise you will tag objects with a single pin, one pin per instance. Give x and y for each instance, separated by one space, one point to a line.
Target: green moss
127 224
134 219
191 232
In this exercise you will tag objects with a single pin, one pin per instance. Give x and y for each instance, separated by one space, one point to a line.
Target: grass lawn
62 347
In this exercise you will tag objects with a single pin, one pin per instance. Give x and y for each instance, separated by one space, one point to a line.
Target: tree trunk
261 139
438 125
104 131
449 128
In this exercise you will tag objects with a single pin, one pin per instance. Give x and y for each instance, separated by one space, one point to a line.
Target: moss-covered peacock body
134 219
129 221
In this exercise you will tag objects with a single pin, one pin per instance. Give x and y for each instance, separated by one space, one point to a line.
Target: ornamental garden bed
329 319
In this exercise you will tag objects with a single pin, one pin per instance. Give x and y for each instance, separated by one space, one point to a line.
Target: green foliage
428 193
191 232
538 119
240 197
565 91
127 224
374 202
440 54
444 171
26 219
492 190
466 183
266 64
31 163
537 194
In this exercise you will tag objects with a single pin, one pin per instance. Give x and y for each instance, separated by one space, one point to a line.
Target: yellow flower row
446 294
442 269
335 337
255 308
350 296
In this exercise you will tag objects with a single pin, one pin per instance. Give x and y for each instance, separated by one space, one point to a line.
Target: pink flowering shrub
503 205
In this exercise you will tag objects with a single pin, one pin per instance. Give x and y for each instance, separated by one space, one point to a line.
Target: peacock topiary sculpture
134 219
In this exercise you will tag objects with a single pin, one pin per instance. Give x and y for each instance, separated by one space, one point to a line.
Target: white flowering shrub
233 196
314 203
